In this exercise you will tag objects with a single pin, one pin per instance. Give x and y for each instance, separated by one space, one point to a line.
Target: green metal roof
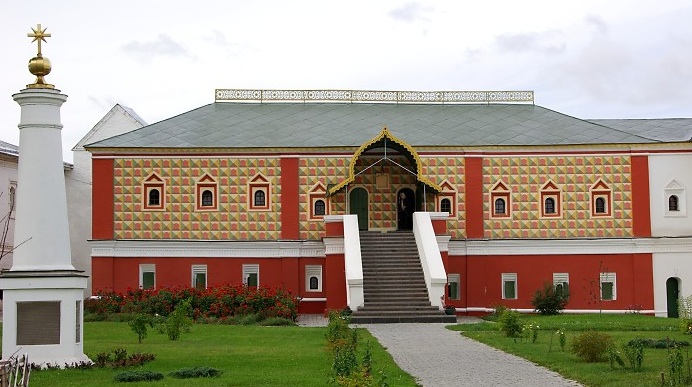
660 129
300 125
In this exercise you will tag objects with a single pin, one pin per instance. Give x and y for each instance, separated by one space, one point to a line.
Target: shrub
139 326
591 346
338 331
120 358
219 302
549 301
277 322
530 332
685 314
497 312
509 323
195 372
634 351
179 321
138 376
659 344
247 319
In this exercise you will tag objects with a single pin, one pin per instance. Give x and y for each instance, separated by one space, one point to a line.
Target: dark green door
358 201
672 292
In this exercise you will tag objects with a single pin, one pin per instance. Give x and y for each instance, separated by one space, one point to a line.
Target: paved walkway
438 357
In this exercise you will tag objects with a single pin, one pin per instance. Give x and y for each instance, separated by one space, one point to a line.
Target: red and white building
257 188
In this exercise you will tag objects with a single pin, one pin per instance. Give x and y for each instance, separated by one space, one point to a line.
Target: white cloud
411 12
162 46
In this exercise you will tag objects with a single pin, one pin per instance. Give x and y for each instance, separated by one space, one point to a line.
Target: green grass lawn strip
621 327
247 355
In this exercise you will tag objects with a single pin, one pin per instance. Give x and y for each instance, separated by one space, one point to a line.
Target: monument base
43 316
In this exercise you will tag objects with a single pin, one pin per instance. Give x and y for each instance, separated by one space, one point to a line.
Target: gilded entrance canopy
387 141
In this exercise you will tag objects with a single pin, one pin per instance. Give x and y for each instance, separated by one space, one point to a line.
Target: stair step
394 286
435 318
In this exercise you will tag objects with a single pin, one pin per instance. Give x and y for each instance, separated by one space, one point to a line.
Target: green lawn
622 328
247 355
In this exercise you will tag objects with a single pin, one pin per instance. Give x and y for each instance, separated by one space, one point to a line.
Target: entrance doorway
405 207
672 295
358 202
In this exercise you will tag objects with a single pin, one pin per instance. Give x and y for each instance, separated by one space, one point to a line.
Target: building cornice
206 249
570 246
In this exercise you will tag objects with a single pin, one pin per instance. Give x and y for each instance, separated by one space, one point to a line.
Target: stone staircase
393 281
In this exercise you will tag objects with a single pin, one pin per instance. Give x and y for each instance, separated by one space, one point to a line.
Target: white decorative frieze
375 96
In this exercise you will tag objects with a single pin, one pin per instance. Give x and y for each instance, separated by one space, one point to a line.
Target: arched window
446 205
207 198
320 207
549 206
501 201
259 198
154 197
600 206
500 206
314 283
673 203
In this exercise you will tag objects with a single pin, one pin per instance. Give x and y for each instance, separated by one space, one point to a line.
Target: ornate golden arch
387 140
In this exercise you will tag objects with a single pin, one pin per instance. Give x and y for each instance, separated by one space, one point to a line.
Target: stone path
438 357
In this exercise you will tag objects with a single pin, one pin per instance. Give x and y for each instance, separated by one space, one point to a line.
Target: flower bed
218 302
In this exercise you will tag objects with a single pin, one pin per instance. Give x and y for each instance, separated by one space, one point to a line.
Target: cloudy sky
587 58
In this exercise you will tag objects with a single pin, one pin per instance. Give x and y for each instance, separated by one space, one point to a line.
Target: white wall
666 265
8 175
663 169
78 185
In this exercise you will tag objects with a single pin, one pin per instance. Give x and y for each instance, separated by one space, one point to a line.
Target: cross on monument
39 35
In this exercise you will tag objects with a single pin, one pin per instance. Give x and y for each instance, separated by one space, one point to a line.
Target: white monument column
42 292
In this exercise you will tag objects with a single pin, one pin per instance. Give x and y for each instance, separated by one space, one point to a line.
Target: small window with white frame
199 276
446 199
608 286
561 283
153 193
259 193
453 286
147 276
500 201
251 275
675 201
319 203
206 189
551 200
313 278
601 199
509 286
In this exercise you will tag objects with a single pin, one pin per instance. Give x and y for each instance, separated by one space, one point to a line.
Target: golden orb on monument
39 66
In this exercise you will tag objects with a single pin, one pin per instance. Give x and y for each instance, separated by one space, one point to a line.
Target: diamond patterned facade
180 220
574 175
